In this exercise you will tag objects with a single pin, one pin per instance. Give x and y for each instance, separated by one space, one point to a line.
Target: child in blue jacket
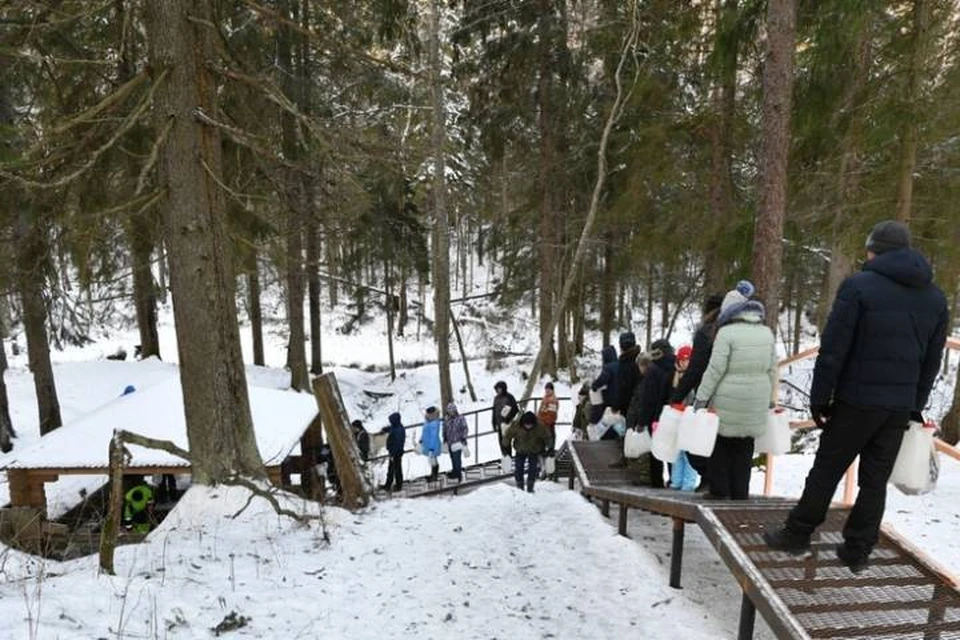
430 441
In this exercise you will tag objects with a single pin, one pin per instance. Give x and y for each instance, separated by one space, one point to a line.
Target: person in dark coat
702 348
396 440
505 409
879 356
606 383
628 375
655 392
362 438
530 438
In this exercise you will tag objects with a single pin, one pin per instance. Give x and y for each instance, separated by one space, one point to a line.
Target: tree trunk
32 254
295 197
724 99
313 293
848 177
777 90
140 231
441 222
547 247
910 133
256 312
144 289
607 291
215 399
6 424
388 304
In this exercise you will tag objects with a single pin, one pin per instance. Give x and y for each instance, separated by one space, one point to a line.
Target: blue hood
395 420
609 354
905 266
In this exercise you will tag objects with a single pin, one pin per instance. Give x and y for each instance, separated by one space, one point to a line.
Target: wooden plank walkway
901 595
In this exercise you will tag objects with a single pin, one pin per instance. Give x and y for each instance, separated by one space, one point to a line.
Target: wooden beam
356 488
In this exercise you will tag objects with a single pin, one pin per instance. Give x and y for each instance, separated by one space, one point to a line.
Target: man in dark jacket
702 349
879 356
628 375
505 409
396 440
607 381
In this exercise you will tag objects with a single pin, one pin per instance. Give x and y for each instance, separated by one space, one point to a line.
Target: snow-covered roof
279 418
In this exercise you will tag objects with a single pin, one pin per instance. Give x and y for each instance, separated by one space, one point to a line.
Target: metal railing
473 433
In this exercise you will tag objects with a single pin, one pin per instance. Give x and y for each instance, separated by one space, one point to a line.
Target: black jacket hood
906 266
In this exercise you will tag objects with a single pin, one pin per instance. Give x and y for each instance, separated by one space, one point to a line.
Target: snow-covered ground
495 563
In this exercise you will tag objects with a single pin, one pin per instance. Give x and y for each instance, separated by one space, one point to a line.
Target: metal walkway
901 595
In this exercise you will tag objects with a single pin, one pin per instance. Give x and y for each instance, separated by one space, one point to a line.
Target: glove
700 404
821 414
916 416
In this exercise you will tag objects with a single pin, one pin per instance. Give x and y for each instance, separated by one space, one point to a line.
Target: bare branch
115 97
153 157
128 124
258 491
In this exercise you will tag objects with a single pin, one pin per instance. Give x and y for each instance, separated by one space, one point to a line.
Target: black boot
784 539
434 473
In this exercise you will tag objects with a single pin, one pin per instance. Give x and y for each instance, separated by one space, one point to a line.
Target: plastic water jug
912 467
664 441
636 443
776 439
698 432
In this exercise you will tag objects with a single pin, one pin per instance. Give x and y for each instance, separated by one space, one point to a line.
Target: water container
776 439
912 467
664 441
698 432
636 443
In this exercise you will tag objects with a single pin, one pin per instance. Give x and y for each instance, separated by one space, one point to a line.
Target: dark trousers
456 459
532 461
504 450
729 468
873 434
699 463
395 472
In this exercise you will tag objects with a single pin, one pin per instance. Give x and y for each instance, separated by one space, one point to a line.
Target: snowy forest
251 193
608 163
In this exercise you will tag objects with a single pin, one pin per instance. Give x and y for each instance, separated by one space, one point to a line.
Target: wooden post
748 615
605 508
676 558
768 476
355 486
622 521
111 527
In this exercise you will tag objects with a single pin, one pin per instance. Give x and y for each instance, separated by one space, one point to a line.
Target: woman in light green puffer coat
738 384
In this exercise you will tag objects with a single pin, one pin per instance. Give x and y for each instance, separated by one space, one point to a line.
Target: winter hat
887 236
452 408
356 424
549 385
500 386
738 295
432 413
660 348
627 340
684 352
528 419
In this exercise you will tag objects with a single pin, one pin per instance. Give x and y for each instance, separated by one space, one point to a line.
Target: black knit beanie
888 236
